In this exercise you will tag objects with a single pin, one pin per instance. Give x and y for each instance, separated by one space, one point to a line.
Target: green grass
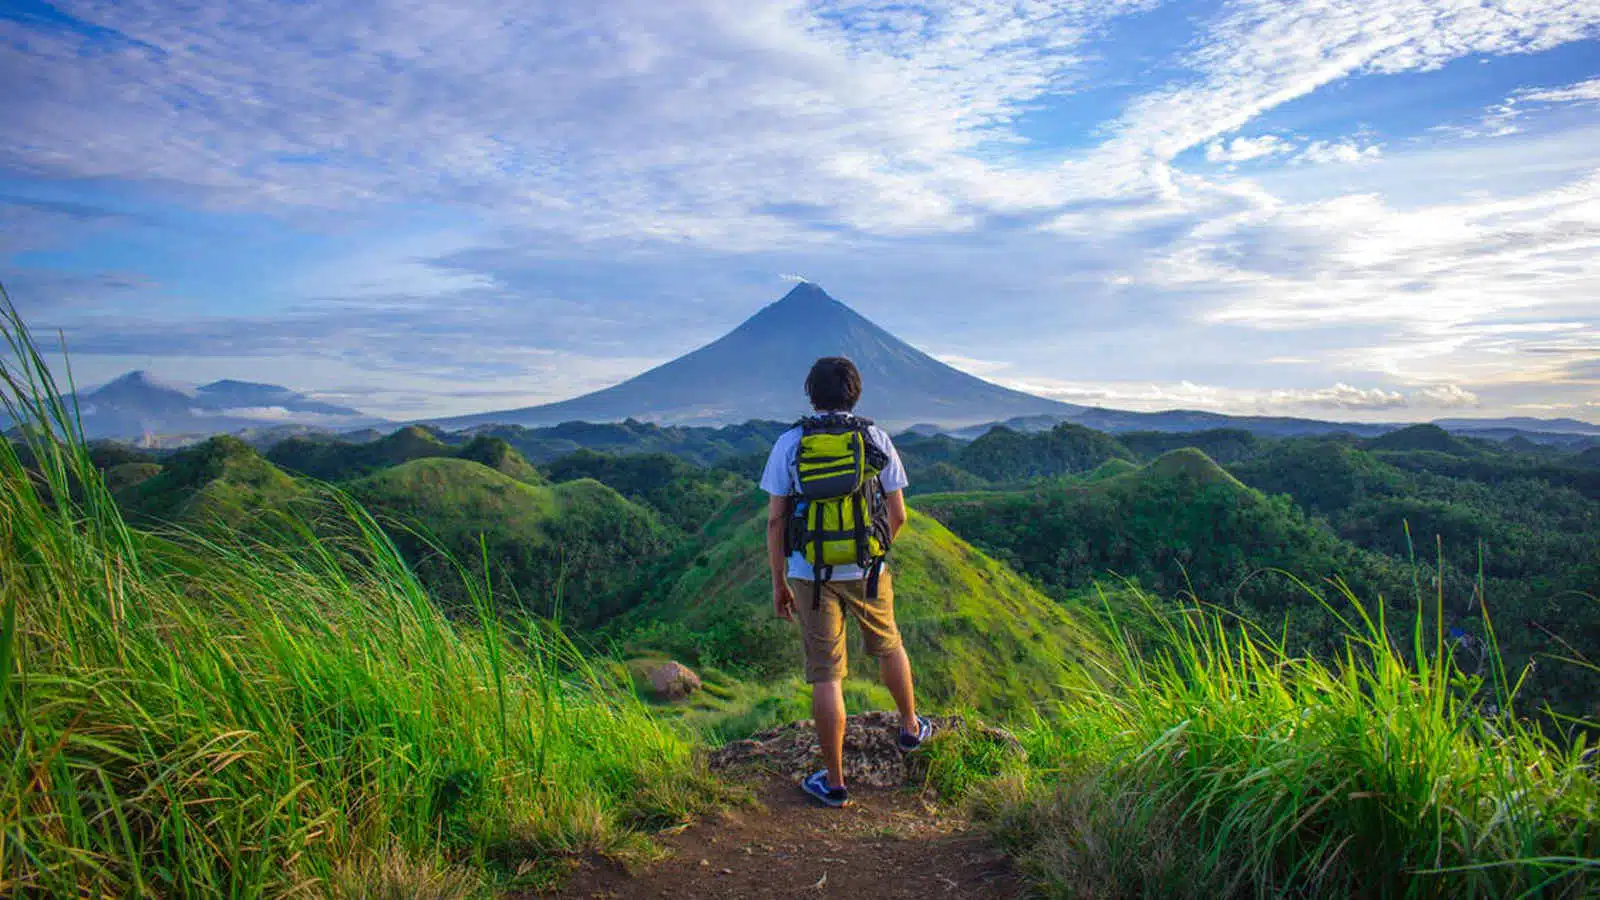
580 540
979 636
727 708
205 716
1220 765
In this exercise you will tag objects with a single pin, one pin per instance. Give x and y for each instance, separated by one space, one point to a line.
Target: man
834 387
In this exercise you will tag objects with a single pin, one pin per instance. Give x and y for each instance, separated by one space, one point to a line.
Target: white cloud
1243 149
1339 398
1321 152
708 122
1447 396
1580 92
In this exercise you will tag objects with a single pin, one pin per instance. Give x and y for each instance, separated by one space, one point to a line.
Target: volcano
757 371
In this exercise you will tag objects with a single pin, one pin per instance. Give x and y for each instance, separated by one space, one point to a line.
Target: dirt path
893 841
887 843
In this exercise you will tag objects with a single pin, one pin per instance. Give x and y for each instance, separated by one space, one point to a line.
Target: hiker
836 504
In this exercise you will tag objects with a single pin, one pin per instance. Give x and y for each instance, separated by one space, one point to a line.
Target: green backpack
839 514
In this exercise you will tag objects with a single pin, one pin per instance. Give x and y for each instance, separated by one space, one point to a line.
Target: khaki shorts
823 627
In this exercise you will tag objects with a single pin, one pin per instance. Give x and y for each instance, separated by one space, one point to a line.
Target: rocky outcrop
673 681
871 756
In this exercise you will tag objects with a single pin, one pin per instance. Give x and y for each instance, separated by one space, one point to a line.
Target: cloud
689 121
1447 396
1504 117
1339 398
1242 149
569 170
1322 152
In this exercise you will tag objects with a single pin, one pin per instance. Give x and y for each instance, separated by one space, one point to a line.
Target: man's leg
894 668
827 708
822 629
882 637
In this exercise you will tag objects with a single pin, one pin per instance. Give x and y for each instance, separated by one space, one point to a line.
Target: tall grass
1220 765
200 716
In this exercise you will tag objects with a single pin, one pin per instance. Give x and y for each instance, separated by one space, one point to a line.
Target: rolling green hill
977 633
501 457
682 494
1004 455
1179 524
126 476
339 460
580 540
221 481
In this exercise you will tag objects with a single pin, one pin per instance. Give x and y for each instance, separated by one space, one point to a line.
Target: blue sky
1359 210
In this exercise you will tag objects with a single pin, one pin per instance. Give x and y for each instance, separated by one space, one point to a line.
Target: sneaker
909 742
816 785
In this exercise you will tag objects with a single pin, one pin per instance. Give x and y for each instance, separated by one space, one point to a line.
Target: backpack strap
863 546
873 571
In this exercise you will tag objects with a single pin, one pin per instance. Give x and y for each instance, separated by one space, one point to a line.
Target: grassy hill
977 633
682 494
580 541
1003 455
501 457
209 717
1179 524
339 460
221 481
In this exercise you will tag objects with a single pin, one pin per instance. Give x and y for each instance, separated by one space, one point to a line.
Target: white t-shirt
781 479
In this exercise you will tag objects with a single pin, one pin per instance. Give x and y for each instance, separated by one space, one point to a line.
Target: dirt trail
893 841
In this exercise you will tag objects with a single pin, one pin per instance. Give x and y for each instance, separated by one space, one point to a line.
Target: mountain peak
806 292
757 371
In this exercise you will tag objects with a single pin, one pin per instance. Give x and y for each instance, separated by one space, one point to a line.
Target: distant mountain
137 406
757 370
1521 423
1559 432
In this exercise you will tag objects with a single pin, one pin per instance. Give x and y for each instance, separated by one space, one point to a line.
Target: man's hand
783 601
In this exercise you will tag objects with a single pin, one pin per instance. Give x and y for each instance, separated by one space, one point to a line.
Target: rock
673 681
871 756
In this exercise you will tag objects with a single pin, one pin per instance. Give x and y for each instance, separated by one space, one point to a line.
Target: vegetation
1004 455
682 494
700 445
1180 525
221 481
1219 764
981 636
566 550
340 460
190 716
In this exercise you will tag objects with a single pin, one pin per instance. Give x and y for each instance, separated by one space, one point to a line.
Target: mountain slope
757 371
222 481
578 542
136 405
977 633
1179 524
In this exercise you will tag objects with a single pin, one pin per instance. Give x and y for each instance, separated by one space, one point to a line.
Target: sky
1366 210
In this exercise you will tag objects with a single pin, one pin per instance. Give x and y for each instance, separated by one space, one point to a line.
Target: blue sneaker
816 785
909 742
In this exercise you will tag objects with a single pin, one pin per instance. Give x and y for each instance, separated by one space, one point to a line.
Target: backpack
839 513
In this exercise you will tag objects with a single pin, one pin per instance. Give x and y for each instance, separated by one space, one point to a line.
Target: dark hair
833 384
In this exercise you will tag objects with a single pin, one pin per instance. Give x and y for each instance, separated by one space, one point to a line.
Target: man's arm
777 538
896 502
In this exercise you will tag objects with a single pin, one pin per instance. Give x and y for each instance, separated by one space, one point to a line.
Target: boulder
673 681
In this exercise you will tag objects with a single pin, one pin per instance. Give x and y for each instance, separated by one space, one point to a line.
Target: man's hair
833 384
